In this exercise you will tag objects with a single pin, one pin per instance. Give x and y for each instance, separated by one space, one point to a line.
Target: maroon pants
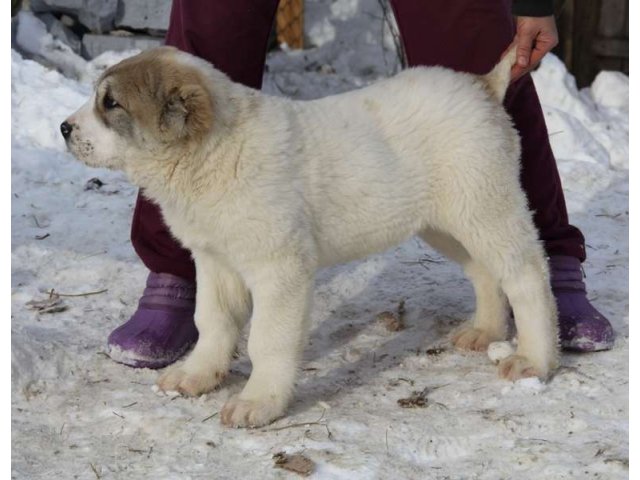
465 35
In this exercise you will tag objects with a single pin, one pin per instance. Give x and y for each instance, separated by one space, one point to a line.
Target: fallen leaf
435 350
296 463
93 184
53 304
417 399
391 321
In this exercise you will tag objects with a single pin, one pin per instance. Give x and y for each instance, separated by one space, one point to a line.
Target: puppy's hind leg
526 284
509 249
492 311
223 305
489 322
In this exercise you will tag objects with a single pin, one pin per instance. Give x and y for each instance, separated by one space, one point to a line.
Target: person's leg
470 36
233 36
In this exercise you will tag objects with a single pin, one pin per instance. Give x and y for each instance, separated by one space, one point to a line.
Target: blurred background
594 34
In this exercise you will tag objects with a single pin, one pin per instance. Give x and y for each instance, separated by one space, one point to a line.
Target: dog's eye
109 103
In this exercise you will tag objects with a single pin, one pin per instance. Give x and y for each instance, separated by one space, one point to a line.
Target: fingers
535 37
539 50
517 71
543 45
524 43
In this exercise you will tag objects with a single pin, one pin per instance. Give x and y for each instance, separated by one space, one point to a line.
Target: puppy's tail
498 79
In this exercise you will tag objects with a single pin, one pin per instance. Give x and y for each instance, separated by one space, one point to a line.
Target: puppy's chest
205 228
194 229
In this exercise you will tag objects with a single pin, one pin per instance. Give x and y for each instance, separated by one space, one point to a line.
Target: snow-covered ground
77 414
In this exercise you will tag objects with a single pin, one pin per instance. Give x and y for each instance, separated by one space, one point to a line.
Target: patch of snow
499 351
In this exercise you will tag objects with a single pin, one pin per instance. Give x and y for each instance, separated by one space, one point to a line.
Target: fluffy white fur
280 188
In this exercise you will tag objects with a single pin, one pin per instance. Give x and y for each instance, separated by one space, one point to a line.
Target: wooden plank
610 63
611 47
613 18
563 10
626 20
15 7
586 18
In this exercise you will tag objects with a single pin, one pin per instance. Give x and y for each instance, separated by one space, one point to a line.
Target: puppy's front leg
279 326
222 308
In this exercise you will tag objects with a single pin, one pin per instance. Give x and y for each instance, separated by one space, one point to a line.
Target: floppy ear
187 113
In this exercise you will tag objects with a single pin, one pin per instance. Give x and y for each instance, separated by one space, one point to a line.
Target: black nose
66 128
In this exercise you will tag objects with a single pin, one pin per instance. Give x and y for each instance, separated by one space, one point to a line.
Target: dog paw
515 367
249 413
469 338
178 379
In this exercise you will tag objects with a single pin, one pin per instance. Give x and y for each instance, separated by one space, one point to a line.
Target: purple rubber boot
162 329
582 327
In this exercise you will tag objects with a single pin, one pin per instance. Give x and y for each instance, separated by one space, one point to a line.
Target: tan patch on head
160 96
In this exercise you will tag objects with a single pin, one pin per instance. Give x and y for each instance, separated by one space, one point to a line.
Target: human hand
535 37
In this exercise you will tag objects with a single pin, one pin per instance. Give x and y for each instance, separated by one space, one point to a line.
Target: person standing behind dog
464 35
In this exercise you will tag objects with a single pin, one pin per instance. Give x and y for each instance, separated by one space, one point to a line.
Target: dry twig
85 294
209 417
95 471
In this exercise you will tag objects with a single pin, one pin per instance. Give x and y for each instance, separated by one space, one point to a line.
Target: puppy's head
145 107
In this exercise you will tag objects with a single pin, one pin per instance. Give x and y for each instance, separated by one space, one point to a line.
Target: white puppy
265 190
